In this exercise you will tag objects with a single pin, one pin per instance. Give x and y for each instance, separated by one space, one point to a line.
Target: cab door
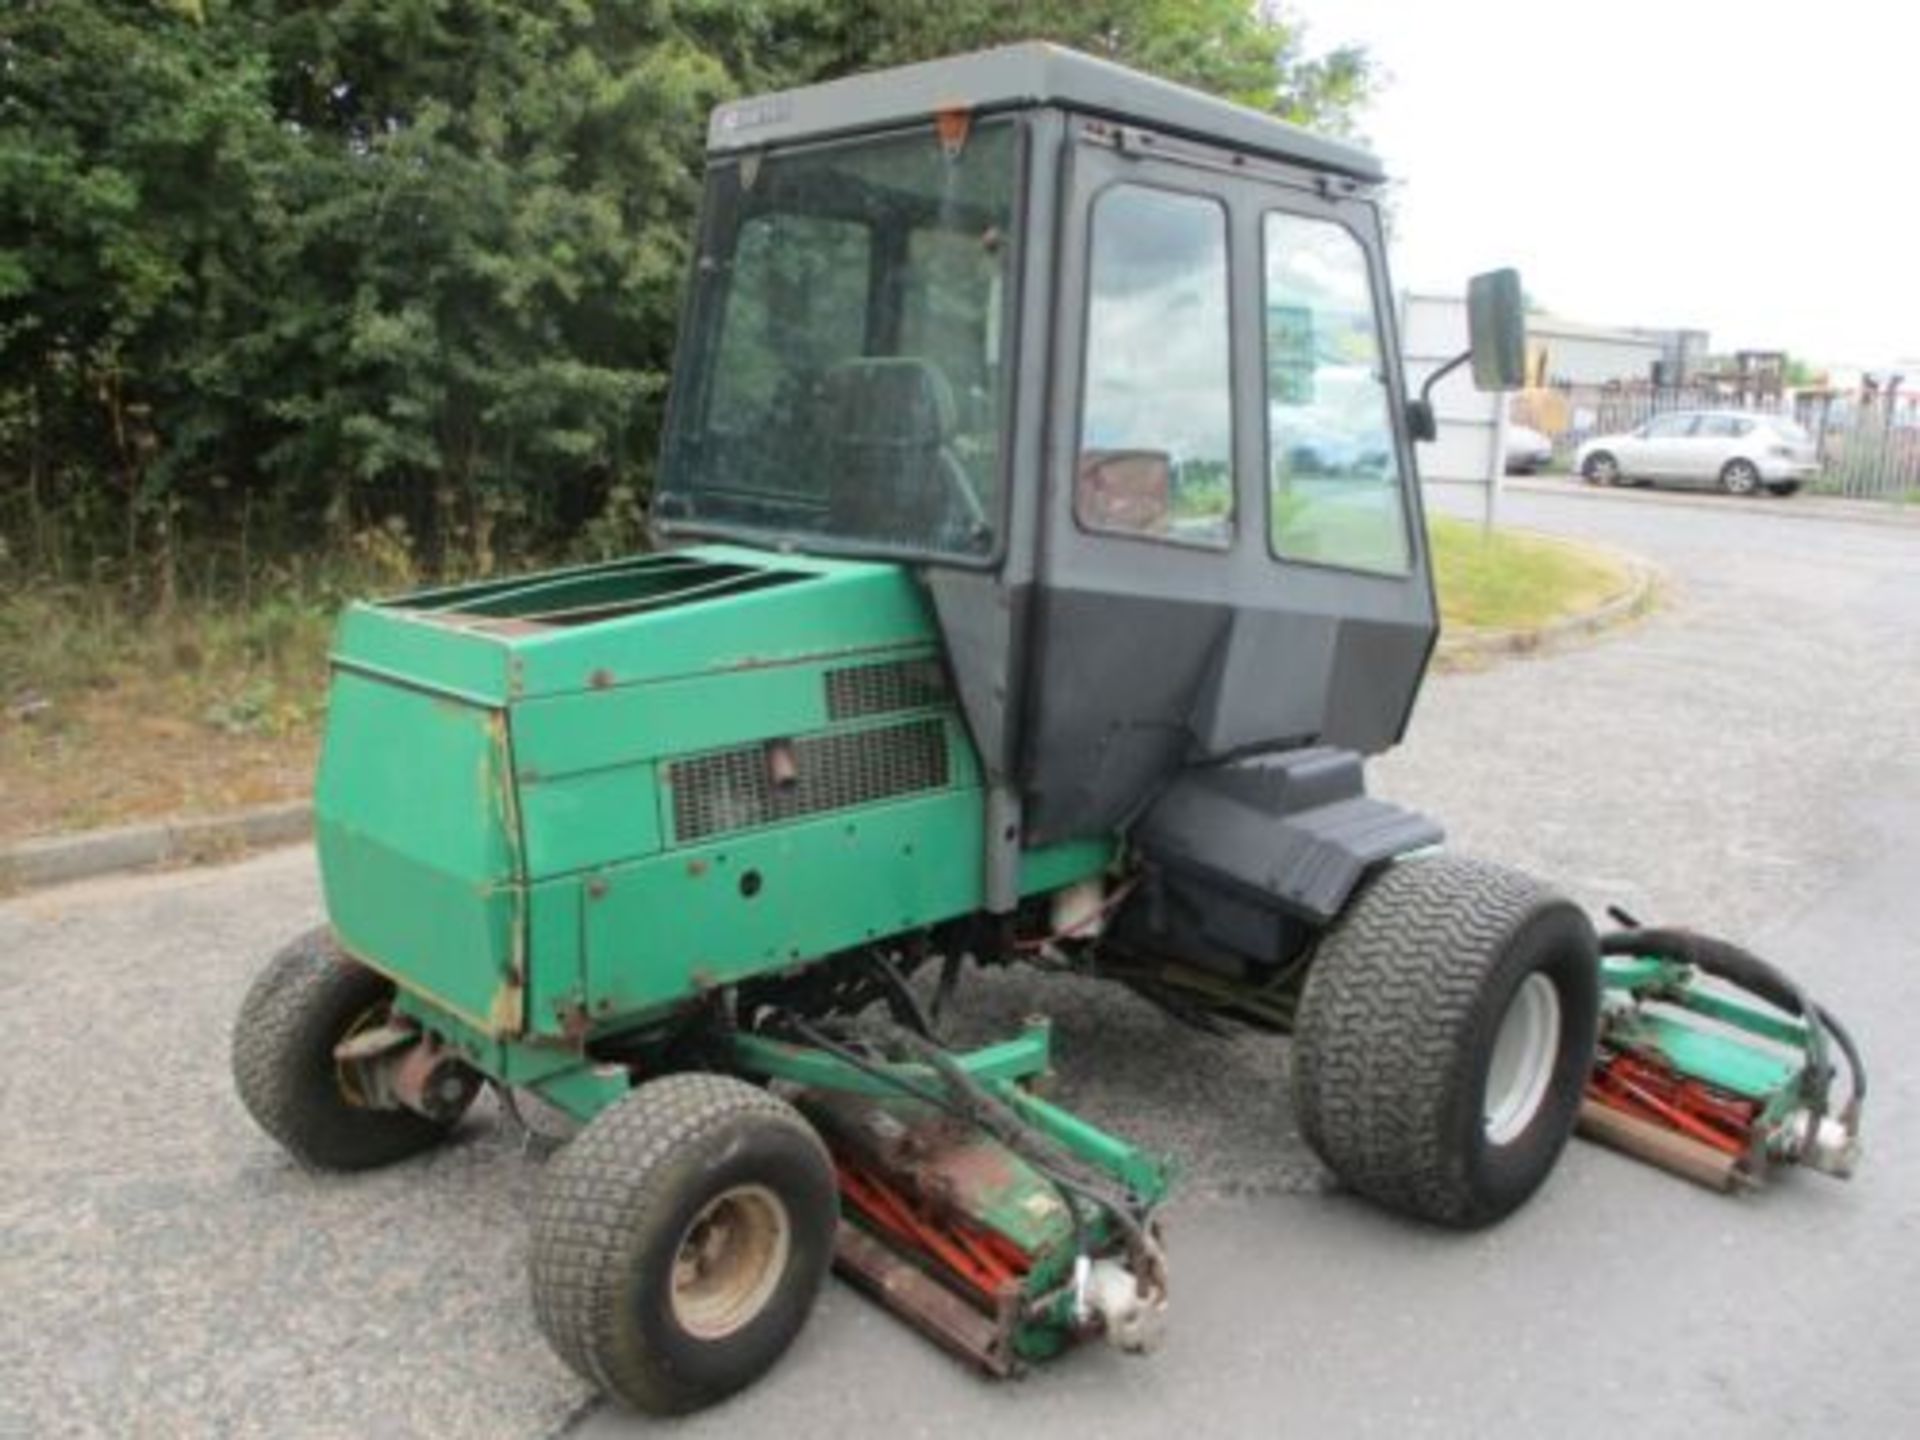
1184 611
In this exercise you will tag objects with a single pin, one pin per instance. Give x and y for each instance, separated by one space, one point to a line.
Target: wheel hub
730 1261
347 1076
1525 1050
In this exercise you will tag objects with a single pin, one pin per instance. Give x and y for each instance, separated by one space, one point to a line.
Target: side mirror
1497 330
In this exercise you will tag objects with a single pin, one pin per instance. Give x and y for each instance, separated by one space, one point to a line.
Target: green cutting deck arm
1039 555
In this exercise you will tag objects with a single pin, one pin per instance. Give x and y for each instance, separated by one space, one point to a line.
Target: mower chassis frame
1001 1068
581 1086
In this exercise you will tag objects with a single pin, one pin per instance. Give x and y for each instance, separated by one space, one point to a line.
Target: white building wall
1592 359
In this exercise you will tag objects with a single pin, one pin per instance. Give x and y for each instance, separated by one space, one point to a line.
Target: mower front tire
309 998
680 1240
1444 1037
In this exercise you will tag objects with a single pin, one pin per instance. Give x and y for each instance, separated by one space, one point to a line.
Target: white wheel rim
1524 1053
730 1261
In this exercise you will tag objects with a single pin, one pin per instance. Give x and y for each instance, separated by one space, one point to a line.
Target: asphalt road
1744 761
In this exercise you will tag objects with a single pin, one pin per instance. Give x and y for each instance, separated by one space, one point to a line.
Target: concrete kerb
61 859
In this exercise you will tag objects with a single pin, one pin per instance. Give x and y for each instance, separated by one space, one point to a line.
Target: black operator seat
886 437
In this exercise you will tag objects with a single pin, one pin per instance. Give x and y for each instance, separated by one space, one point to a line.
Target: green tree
484 270
1246 52
130 138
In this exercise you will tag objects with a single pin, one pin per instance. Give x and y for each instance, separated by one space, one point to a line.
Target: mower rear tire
1444 1036
680 1240
309 998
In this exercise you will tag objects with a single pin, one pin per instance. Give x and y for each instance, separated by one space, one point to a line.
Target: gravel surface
1743 761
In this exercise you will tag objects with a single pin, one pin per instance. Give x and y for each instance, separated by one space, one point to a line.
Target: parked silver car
1739 451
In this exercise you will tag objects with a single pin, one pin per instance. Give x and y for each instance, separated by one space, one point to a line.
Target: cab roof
1017 77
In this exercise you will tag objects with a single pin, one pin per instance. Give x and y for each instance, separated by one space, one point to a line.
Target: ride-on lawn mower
1040 555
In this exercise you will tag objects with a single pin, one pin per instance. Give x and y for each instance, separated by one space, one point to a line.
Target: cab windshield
846 351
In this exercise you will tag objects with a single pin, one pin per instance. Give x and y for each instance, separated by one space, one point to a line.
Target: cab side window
1333 470
1156 419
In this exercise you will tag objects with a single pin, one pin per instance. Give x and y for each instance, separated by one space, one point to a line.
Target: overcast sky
1748 169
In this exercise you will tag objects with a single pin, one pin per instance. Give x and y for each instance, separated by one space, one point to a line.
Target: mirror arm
1426 390
1421 424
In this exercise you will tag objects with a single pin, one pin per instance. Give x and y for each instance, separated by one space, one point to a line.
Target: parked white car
1739 451
1527 450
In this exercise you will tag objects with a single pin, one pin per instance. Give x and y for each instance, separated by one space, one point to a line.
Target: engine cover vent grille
731 790
881 689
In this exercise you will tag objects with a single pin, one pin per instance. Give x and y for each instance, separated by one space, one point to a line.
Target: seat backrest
887 421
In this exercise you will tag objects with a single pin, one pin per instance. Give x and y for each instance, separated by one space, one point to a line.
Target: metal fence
1868 439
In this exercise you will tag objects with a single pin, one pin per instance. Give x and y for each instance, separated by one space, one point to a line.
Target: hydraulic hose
940 1100
1012 1129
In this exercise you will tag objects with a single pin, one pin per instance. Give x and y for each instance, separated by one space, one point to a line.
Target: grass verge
1515 581
108 718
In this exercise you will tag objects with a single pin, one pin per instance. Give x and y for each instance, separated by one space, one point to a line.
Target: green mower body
571 804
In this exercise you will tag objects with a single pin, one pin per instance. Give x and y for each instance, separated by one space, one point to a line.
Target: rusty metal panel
419 846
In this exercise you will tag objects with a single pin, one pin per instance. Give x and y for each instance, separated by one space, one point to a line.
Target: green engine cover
560 804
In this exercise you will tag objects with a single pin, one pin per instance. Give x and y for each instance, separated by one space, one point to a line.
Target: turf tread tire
617 1189
1394 1018
298 1008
